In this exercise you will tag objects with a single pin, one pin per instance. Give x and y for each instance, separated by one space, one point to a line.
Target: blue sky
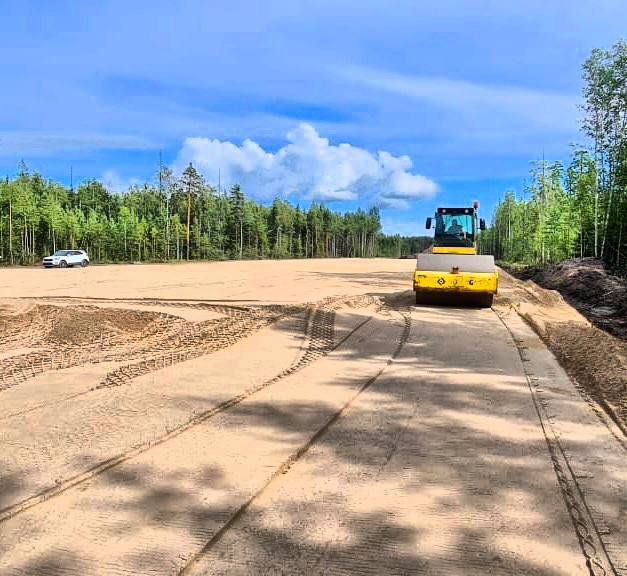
404 104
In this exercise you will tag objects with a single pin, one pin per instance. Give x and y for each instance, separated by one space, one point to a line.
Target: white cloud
115 183
482 105
309 167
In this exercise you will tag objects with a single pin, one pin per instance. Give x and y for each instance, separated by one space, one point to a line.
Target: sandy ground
294 417
285 281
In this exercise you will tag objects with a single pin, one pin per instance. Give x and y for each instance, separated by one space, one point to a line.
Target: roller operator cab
453 272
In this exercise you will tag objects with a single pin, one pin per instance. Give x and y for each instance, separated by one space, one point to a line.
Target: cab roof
468 210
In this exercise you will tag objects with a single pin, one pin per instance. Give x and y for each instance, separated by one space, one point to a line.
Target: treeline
397 246
579 209
176 219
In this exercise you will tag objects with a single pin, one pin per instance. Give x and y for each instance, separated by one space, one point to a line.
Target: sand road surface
292 417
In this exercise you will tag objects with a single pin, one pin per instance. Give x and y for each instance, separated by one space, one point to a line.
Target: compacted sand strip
440 468
153 513
592 451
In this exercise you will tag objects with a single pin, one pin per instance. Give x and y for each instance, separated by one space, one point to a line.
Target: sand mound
46 325
86 325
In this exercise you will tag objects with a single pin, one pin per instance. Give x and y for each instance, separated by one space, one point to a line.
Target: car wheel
63 264
84 263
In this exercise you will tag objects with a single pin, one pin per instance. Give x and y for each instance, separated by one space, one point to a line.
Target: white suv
65 258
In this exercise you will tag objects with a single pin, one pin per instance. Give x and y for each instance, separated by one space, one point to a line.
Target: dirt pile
588 286
47 325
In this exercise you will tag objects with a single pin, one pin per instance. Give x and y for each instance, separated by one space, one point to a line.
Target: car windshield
454 229
62 253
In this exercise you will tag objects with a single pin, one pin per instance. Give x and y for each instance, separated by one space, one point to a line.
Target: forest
578 209
178 219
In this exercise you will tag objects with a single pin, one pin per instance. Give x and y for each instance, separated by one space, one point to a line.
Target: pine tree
192 184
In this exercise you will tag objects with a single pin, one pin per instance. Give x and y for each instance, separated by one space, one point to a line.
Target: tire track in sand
320 341
590 538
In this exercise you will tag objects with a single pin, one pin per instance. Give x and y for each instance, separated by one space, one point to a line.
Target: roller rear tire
486 300
428 298
455 299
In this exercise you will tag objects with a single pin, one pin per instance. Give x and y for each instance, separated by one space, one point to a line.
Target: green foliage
548 222
397 246
581 211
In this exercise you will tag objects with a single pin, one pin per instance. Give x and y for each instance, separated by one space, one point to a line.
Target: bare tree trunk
167 228
607 218
189 216
620 239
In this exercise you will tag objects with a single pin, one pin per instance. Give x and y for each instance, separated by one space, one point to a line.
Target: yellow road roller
452 272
